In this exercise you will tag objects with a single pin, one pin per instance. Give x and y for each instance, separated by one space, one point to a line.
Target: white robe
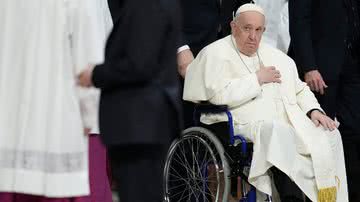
44 45
277 23
273 116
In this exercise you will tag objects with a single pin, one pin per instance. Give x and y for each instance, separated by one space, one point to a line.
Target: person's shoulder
219 48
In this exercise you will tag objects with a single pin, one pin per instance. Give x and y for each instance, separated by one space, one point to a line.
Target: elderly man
272 108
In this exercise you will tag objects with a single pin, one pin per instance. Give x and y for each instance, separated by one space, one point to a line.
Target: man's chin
251 48
250 52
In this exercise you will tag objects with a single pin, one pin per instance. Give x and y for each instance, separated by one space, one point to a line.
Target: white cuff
182 48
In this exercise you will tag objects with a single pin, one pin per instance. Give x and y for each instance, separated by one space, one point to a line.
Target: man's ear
233 25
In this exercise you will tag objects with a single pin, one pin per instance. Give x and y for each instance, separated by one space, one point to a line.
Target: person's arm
184 54
238 91
305 98
300 14
184 58
135 60
309 104
244 89
209 78
301 34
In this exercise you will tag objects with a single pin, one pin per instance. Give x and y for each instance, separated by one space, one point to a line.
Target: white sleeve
238 91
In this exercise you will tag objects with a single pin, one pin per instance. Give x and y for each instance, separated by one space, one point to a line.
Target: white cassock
273 116
44 45
277 23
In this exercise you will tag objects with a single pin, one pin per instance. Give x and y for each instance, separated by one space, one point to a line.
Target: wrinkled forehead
253 18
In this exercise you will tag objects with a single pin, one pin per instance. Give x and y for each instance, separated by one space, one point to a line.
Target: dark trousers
288 190
137 171
188 112
188 108
342 100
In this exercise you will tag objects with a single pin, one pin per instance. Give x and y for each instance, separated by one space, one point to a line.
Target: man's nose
252 35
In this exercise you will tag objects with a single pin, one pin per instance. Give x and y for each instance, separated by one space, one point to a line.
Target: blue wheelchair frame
207 108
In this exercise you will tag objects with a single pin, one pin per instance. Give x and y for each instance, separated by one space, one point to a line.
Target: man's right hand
87 131
84 78
184 58
268 75
315 81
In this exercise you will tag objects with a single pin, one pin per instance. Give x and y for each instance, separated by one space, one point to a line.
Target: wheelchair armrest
208 108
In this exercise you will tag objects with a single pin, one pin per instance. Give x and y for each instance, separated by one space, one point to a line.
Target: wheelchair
209 163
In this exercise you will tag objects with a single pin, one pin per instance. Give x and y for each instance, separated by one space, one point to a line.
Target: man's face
247 30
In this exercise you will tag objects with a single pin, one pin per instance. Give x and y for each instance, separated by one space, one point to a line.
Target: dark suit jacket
202 18
140 102
318 32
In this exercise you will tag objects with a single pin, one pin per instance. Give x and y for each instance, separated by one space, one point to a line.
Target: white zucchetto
249 7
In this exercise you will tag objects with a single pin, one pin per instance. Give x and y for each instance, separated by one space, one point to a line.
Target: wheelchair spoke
182 195
196 163
186 162
203 193
193 170
183 162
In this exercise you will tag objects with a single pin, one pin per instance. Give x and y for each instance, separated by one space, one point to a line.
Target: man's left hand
319 118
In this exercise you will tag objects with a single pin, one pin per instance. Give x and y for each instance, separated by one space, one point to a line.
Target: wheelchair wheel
196 168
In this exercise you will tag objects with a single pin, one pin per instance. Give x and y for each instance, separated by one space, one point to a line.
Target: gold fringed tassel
327 195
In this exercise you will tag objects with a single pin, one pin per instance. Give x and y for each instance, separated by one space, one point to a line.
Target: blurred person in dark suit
325 46
140 108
